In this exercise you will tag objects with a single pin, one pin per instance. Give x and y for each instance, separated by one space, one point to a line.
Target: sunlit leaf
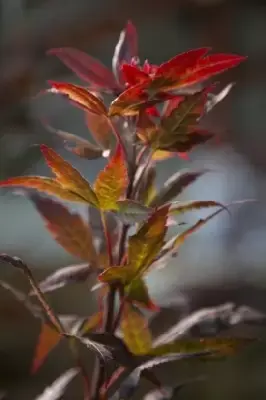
136 333
67 228
86 67
65 276
47 341
220 346
57 389
44 185
147 242
68 177
92 322
161 155
175 185
111 182
79 96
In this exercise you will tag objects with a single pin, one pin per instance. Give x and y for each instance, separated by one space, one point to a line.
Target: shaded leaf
65 276
95 223
112 182
77 145
58 387
136 333
214 99
79 96
23 298
47 341
86 67
91 323
67 228
175 185
167 392
132 212
137 292
99 128
126 48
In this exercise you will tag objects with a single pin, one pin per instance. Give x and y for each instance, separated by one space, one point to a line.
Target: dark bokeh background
226 260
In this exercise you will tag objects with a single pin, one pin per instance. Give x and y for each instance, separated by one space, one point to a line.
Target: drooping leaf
161 155
137 292
68 229
58 387
175 185
68 177
65 276
77 145
126 48
47 341
219 346
167 392
146 189
79 96
112 182
86 67
136 333
99 128
214 99
179 207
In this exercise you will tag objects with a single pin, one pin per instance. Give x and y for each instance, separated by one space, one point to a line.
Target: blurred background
225 261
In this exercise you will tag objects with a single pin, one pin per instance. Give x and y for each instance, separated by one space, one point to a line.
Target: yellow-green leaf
112 182
136 333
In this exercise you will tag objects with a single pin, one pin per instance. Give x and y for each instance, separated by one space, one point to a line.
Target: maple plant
138 115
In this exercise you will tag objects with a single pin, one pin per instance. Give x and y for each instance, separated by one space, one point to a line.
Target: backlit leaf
220 346
136 333
42 184
147 242
67 228
179 207
68 177
112 182
79 96
57 389
175 185
47 341
86 67
92 322
65 276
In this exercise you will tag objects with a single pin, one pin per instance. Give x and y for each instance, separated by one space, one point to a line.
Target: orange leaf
68 229
136 333
47 341
68 177
111 183
42 184
100 129
80 97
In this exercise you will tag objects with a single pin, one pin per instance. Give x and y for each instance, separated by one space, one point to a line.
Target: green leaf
179 207
135 331
219 346
137 292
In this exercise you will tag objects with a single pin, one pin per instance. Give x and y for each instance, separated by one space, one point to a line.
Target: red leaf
126 49
86 67
183 61
47 341
80 97
133 75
